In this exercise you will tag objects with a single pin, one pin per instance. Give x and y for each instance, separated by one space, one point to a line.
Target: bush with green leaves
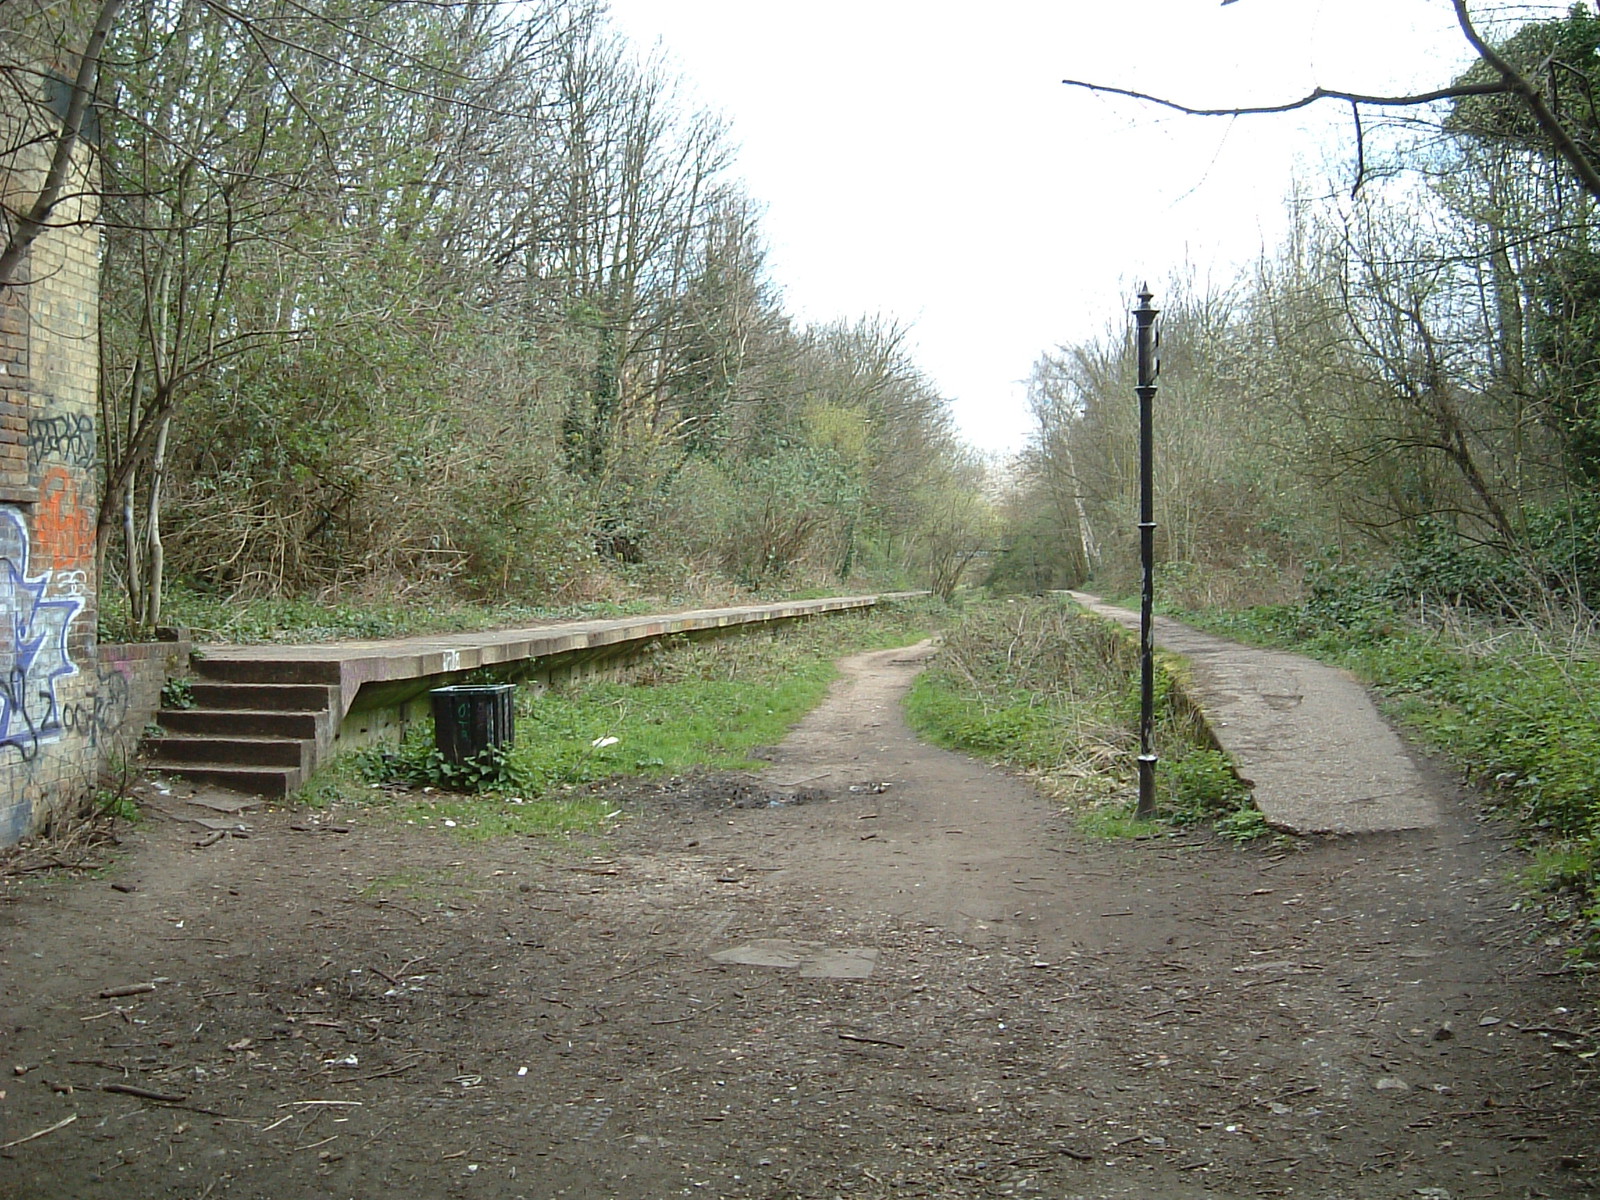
418 762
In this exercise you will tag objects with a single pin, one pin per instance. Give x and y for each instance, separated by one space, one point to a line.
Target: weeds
246 620
177 693
419 763
1244 824
116 804
1202 786
1055 692
113 799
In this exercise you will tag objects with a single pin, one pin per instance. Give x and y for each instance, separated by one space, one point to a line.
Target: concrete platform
263 717
1306 736
352 666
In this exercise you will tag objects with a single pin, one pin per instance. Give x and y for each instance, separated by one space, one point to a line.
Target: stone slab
812 959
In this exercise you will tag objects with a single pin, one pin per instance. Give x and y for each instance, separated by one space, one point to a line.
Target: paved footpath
1306 736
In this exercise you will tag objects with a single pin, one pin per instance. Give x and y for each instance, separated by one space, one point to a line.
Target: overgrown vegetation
1383 439
303 619
1410 379
1045 687
452 302
692 706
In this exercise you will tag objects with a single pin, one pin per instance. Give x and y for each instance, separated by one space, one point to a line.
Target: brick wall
15 482
53 701
129 679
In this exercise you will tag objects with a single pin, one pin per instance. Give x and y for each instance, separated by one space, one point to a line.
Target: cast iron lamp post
1148 341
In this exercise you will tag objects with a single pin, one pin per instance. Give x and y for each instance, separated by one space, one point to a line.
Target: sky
921 159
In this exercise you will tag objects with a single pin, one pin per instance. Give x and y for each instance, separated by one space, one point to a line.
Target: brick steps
245 733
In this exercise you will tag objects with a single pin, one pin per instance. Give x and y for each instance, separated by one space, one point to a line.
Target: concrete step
238 722
266 670
274 782
181 750
262 697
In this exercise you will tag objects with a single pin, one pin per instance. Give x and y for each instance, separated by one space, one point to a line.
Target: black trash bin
469 718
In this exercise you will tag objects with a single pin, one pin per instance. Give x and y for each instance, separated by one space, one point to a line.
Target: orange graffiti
63 528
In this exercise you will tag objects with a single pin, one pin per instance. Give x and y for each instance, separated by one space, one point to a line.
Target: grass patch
1047 688
692 705
1109 822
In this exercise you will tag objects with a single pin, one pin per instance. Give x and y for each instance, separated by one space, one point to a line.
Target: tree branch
1447 93
1511 82
36 220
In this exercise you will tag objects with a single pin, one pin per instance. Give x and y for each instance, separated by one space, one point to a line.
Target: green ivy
419 763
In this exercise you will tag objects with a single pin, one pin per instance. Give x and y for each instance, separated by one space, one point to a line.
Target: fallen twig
132 989
691 1016
396 1070
870 1041
129 1089
61 1124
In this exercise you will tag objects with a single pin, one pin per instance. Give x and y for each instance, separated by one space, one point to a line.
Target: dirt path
963 998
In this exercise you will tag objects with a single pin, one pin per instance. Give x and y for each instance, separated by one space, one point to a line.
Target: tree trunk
155 553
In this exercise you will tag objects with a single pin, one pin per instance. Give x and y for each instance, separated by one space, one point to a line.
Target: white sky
920 158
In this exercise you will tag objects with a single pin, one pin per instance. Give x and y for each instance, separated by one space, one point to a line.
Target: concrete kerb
1306 737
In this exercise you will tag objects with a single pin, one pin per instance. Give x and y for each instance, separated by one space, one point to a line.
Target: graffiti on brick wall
34 656
100 718
67 438
62 526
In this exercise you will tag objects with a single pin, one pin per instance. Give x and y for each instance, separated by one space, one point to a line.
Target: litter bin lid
473 689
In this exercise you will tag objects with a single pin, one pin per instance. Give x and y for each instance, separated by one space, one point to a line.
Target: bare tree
1540 100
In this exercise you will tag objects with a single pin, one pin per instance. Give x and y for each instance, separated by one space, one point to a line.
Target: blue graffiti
33 644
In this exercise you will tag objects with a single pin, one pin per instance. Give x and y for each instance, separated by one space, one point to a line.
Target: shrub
419 763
